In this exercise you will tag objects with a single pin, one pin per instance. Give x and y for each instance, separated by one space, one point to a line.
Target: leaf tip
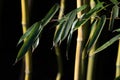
15 62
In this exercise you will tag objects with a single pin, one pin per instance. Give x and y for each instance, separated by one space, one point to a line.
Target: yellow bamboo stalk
81 39
25 21
78 48
57 48
118 62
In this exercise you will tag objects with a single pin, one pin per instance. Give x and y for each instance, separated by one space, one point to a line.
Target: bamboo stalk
91 65
25 21
78 48
80 64
91 59
118 62
59 60
57 47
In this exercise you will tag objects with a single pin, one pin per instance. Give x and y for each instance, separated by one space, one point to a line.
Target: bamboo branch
25 21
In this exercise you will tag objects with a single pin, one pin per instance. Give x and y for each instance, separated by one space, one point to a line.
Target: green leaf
114 14
95 32
70 37
68 25
64 28
35 44
50 15
65 17
87 16
58 33
28 42
81 8
117 30
34 32
26 34
107 44
117 78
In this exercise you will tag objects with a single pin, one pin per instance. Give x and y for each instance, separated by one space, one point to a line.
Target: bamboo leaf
50 15
35 44
58 33
114 14
64 28
26 34
117 30
95 33
28 42
65 17
68 25
35 32
70 37
83 7
87 16
107 44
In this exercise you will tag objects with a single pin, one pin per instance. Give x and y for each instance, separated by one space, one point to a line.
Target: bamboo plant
31 35
89 26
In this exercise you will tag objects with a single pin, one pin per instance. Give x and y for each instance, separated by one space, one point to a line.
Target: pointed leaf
35 32
117 30
28 42
96 32
107 44
75 10
81 8
35 44
58 33
87 16
50 15
70 37
68 25
26 34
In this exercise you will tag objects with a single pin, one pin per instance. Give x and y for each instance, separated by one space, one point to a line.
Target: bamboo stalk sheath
25 21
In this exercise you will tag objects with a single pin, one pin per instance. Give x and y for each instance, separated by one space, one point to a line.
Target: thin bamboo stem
59 60
25 21
91 65
57 47
91 59
118 62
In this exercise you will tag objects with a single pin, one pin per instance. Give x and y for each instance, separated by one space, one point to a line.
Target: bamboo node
118 66
27 72
79 39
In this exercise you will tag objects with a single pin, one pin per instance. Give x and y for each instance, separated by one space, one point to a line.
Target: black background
44 58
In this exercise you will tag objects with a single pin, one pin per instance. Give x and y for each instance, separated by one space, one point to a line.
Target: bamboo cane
91 59
79 72
25 21
78 48
57 47
118 62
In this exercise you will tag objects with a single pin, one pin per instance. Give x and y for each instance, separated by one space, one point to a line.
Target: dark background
44 58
